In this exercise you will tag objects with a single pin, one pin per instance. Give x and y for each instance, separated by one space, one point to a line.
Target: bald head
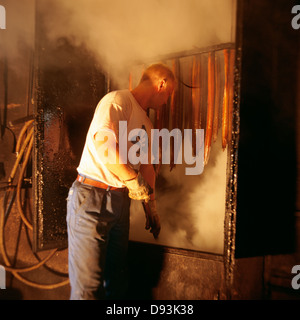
157 72
155 87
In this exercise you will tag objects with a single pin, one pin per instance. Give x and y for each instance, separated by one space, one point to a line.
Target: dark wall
267 148
69 85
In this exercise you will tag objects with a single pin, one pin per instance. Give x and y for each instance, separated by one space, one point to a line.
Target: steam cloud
16 45
192 208
19 33
123 33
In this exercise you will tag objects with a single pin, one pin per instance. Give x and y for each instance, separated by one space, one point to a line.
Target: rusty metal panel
174 274
69 84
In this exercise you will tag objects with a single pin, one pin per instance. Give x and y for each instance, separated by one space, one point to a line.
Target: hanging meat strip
217 99
175 109
225 111
210 105
188 122
195 98
158 125
204 90
166 115
231 91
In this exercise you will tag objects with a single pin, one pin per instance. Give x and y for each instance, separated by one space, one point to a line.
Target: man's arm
112 159
152 217
139 188
148 173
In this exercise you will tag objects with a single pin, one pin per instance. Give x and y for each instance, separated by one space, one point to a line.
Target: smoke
16 48
192 208
18 37
121 33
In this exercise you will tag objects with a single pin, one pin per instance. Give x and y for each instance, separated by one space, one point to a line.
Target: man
99 199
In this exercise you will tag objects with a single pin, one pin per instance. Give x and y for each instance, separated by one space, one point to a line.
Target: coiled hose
23 148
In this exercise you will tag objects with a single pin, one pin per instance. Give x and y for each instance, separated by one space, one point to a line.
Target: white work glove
138 188
152 218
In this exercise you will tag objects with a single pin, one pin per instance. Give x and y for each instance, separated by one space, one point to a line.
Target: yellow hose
22 133
28 142
19 156
19 185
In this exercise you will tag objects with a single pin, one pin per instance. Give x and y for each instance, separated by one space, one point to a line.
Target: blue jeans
98 231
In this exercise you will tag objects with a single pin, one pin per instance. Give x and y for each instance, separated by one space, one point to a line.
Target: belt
98 184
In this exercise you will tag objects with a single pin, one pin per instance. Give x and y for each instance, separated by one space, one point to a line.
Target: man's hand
152 218
138 188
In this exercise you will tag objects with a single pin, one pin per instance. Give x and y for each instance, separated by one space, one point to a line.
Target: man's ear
162 84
